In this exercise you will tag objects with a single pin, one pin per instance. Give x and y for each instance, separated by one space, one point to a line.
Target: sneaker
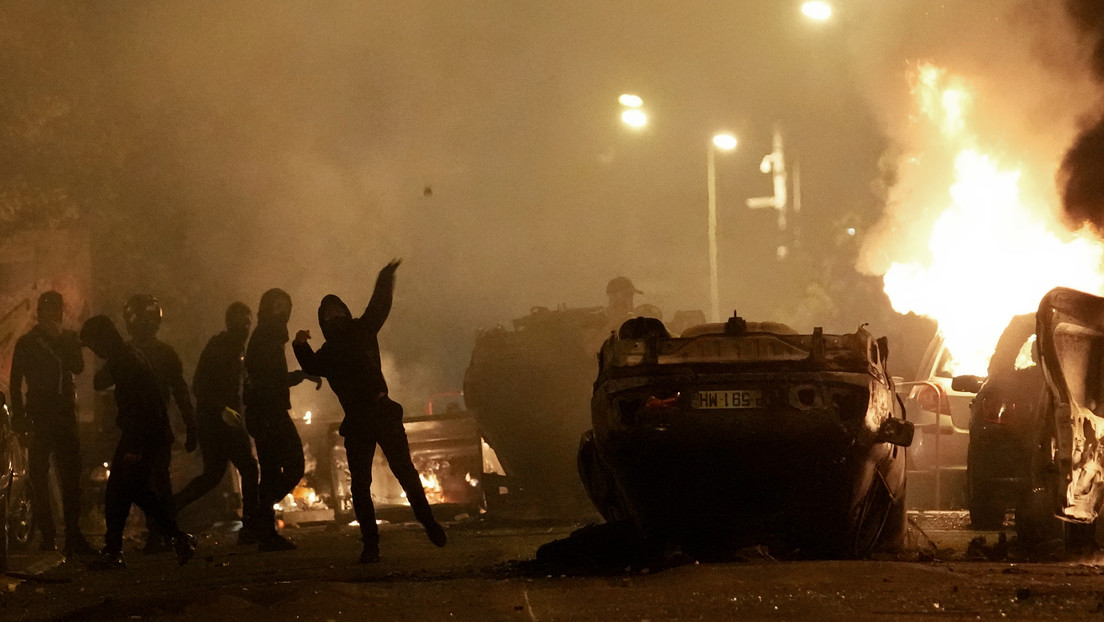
436 533
276 542
79 546
185 547
108 560
370 555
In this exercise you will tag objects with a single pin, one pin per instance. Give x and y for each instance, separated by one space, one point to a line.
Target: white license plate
735 398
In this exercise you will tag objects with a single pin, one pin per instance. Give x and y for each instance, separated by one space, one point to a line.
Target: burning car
1066 452
749 433
1003 419
445 447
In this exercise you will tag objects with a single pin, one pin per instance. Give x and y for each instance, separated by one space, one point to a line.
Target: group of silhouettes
242 400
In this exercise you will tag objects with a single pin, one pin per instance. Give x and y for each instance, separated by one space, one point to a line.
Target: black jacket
350 357
267 380
47 364
169 372
142 415
218 375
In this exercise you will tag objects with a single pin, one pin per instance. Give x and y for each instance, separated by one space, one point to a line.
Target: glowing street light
817 9
630 101
724 142
634 117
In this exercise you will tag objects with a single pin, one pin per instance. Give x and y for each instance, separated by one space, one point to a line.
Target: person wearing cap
620 292
45 359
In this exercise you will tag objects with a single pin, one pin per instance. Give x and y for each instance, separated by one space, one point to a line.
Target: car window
944 367
1025 358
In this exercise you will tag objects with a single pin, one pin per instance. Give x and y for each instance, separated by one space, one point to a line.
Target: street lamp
724 142
817 9
634 117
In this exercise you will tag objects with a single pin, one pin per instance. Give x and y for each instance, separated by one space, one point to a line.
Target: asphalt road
486 573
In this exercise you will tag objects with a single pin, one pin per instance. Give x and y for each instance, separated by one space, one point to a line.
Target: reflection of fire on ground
991 253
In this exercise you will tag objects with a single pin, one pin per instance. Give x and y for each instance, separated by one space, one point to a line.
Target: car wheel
986 509
20 519
1039 530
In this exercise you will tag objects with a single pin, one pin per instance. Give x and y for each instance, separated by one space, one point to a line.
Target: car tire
20 519
1040 531
892 538
986 508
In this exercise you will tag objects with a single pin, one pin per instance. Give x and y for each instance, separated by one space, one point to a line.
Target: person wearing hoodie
267 401
222 435
146 438
350 361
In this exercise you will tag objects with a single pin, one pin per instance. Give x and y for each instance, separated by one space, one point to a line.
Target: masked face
238 325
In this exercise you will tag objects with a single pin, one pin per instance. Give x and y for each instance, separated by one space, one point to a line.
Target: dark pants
62 443
383 427
132 483
222 442
162 485
280 457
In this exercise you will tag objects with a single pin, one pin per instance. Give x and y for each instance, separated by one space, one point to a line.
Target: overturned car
747 433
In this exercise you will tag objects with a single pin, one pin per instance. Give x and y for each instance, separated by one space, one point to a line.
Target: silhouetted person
222 436
142 315
267 402
46 359
350 361
146 438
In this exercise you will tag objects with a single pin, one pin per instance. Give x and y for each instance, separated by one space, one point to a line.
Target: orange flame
992 254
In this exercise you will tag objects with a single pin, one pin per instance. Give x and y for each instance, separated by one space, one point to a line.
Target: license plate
735 398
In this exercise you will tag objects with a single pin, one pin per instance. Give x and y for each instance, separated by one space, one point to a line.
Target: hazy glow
634 118
992 253
817 10
632 101
726 142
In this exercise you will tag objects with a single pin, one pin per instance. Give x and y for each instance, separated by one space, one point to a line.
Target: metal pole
711 178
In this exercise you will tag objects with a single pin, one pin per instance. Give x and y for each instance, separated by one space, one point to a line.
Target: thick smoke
1027 88
1082 173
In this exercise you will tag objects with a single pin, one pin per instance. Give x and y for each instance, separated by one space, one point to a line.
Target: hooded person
350 361
267 400
223 438
146 438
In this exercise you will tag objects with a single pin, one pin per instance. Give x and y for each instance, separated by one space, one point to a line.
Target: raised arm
380 306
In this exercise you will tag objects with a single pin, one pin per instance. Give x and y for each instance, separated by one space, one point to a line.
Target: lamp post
724 142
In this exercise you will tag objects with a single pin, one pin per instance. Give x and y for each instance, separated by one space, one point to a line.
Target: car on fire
1003 419
747 433
1065 462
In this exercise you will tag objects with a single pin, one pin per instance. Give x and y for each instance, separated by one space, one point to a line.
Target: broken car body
748 433
1067 467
